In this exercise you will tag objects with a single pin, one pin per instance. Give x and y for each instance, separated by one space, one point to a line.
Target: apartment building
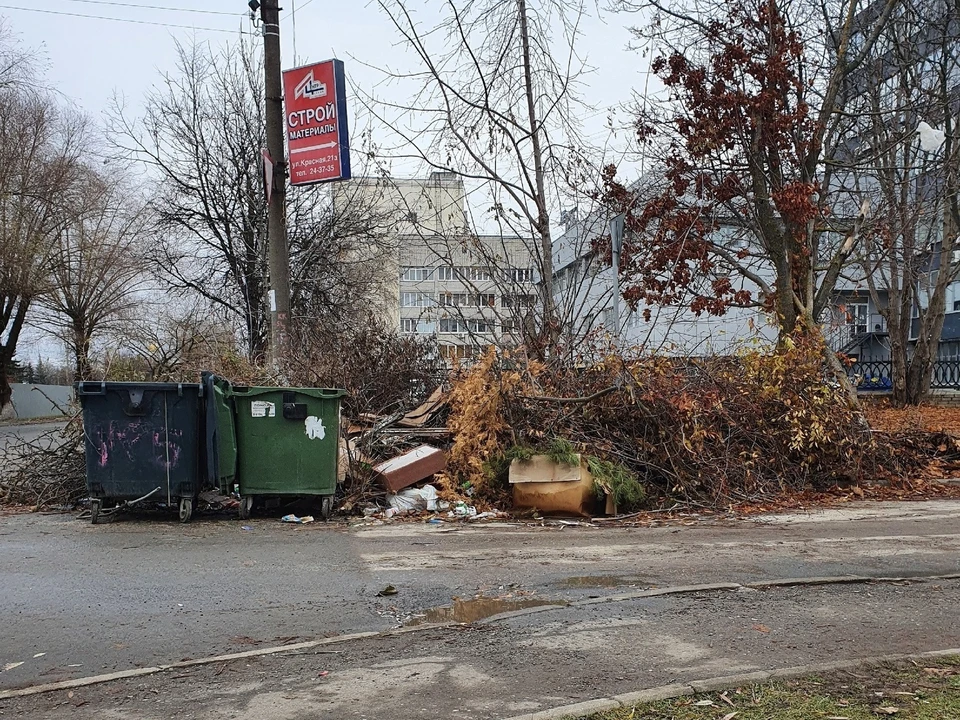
464 289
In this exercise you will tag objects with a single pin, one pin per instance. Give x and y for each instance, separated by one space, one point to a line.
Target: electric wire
116 19
157 7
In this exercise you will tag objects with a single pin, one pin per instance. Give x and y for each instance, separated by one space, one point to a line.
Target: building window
608 319
467 299
509 325
454 299
445 272
408 325
453 325
517 302
475 273
416 299
521 275
416 274
457 352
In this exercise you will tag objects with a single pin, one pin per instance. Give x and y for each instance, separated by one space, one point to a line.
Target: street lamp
616 245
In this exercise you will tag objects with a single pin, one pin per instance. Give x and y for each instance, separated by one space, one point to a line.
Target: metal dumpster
287 443
221 433
143 442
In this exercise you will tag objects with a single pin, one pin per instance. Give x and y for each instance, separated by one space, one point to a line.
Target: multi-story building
467 290
584 295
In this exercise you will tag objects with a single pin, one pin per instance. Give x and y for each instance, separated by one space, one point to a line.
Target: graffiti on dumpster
129 438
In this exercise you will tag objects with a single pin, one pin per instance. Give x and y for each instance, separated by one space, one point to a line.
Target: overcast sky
91 59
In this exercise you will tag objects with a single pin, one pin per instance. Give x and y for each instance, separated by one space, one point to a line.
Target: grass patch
926 690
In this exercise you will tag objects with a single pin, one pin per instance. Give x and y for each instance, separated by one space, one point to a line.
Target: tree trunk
550 328
6 392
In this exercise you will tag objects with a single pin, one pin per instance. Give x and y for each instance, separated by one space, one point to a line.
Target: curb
262 652
668 692
657 592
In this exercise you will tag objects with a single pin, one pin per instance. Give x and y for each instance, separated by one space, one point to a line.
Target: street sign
316 120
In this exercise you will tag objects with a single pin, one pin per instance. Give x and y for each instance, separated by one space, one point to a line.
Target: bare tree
909 264
96 265
202 135
39 146
496 104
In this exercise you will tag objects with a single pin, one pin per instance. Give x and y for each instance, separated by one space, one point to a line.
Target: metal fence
878 375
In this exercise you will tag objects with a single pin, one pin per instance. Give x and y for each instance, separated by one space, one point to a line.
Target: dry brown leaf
886 710
730 716
761 628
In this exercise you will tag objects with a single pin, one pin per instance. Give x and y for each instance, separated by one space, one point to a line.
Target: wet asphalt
79 600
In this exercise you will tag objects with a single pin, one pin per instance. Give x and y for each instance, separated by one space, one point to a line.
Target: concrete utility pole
279 294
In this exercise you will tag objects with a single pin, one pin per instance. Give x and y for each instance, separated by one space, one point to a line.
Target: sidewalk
543 659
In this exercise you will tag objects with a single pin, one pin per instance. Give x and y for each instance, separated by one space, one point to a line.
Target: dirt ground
931 418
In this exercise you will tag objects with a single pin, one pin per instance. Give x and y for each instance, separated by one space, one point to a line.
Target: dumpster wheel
95 511
326 506
186 509
246 506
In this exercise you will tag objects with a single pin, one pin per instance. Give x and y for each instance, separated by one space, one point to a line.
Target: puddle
599 581
466 611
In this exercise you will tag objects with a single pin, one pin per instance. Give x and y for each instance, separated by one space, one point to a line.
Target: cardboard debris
420 416
410 467
552 488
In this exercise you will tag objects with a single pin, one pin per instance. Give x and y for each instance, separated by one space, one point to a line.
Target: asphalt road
142 591
518 665
28 431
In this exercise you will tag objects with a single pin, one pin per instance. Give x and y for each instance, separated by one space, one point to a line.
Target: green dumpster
287 443
221 433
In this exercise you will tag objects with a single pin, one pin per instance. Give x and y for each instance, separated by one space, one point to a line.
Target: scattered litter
388 590
462 510
435 521
11 666
412 499
217 501
297 520
324 673
488 515
76 665
246 527
704 703
39 655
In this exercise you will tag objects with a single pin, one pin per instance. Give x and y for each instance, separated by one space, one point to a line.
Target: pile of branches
711 431
45 472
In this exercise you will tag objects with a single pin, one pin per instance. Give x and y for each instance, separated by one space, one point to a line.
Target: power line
116 19
287 16
157 7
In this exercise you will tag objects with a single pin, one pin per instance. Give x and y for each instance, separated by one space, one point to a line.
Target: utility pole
278 254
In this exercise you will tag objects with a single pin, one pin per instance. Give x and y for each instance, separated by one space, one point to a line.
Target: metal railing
878 375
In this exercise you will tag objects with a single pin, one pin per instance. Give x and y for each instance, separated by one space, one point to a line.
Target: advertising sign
315 107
